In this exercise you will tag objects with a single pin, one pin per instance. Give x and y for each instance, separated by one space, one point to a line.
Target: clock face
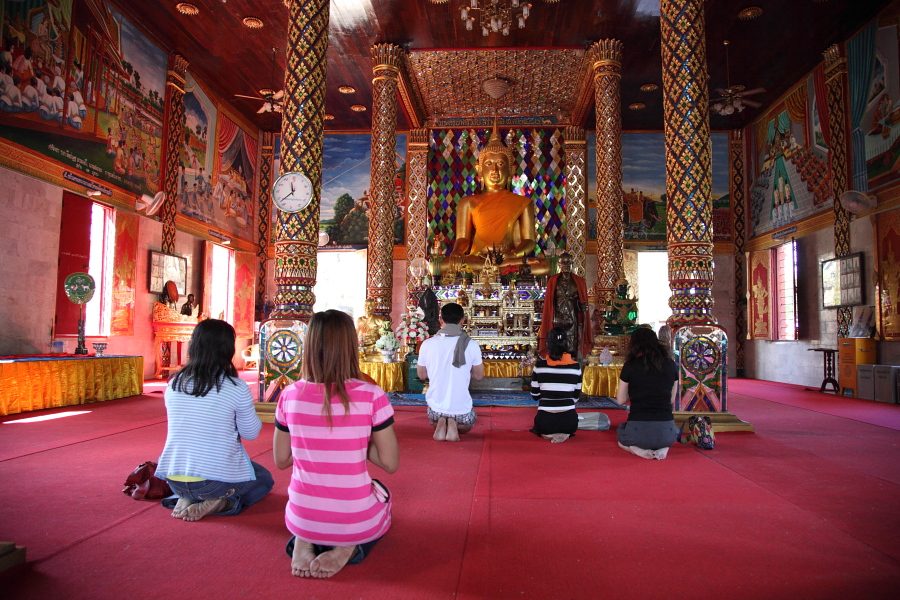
292 192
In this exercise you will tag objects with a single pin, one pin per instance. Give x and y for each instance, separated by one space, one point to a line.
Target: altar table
391 377
601 381
28 384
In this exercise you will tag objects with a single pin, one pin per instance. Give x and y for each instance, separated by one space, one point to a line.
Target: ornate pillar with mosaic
605 58
738 225
380 273
175 83
417 219
576 198
836 82
296 195
700 342
266 160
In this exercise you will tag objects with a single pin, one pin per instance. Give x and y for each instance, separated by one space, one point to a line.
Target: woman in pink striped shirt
326 425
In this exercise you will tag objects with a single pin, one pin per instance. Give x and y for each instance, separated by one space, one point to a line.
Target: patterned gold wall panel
887 292
264 201
738 227
416 191
576 198
175 82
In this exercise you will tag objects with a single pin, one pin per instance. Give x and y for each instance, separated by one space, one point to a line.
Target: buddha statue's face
493 168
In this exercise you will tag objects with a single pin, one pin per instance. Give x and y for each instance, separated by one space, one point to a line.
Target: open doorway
653 283
341 282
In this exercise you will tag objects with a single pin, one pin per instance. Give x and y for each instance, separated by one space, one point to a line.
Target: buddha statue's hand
461 247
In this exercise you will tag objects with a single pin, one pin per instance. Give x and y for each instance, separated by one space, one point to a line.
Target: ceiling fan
272 100
733 97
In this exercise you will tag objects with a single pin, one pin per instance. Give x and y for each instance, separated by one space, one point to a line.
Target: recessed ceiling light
751 12
347 89
649 87
252 22
329 117
186 8
637 105
358 108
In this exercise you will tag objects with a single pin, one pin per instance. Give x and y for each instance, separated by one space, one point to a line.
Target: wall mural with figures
644 187
198 151
788 162
881 120
82 97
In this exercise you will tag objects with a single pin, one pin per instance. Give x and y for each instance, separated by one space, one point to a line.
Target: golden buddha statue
368 328
496 218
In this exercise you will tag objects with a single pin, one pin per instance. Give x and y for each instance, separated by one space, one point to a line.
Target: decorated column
576 197
606 57
175 83
296 234
379 279
699 342
264 197
736 189
835 81
416 192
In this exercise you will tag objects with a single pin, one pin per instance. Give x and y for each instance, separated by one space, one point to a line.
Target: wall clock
292 192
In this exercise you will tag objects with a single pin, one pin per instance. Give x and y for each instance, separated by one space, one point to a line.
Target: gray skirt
649 435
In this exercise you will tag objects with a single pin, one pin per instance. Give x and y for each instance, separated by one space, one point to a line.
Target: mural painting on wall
791 179
881 121
344 207
232 191
89 95
644 187
198 152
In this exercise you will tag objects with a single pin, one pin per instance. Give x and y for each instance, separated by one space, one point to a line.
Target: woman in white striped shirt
556 385
209 411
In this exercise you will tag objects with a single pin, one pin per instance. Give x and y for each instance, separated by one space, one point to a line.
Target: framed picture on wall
166 267
842 281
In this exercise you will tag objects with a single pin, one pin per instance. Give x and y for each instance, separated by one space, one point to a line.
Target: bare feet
643 453
329 563
181 507
304 554
661 453
556 438
452 431
440 430
197 511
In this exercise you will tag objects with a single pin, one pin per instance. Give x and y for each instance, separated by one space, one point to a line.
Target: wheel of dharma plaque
284 349
701 355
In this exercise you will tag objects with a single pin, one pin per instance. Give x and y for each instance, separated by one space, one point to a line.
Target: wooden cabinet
853 352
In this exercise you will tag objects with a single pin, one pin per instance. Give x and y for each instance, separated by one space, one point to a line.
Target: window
98 312
86 245
784 296
221 300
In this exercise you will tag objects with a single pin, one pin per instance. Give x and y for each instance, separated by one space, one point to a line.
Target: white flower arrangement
387 341
412 328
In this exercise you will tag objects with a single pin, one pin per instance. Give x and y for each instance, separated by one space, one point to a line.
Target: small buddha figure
621 314
368 328
510 296
566 306
497 217
462 298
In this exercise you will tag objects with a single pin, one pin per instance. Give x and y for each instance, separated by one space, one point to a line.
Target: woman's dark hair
330 356
557 343
209 359
645 345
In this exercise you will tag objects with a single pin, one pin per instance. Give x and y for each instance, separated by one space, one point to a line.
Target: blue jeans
241 494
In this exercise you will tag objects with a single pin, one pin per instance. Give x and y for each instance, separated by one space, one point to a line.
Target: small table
601 381
170 332
828 370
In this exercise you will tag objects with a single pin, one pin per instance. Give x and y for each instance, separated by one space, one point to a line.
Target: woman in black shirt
648 380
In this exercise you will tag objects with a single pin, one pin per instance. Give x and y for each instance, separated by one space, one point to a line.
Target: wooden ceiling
772 51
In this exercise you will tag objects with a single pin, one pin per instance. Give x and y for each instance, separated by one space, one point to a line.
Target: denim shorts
241 494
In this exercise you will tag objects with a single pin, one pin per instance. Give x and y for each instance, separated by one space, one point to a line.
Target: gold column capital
835 64
606 55
576 137
417 138
387 57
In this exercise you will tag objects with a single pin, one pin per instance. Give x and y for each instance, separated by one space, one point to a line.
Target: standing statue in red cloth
566 306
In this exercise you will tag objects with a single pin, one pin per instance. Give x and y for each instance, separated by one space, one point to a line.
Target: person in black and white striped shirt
556 385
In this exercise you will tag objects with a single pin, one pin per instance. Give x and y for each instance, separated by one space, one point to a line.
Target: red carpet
808 507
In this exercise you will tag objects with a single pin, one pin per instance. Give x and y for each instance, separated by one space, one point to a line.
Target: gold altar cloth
503 368
601 381
27 385
391 377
